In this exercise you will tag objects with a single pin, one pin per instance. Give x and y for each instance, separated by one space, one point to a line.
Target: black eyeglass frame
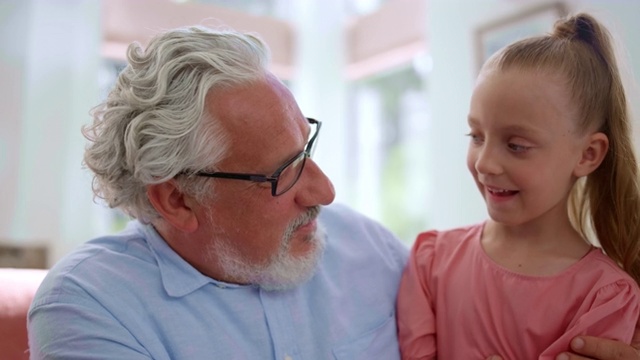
273 178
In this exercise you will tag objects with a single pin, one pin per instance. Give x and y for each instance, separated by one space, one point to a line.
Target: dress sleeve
416 318
612 314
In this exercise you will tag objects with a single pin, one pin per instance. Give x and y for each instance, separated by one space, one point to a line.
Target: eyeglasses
286 176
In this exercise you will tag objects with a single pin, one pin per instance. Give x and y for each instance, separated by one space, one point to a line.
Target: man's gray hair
154 125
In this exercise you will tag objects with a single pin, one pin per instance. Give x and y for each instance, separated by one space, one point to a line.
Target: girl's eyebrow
515 128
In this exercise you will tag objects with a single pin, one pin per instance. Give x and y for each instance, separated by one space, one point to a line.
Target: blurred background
391 81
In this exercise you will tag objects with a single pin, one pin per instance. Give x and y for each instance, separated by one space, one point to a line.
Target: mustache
310 215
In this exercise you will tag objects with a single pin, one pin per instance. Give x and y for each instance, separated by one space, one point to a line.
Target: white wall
622 19
318 82
50 58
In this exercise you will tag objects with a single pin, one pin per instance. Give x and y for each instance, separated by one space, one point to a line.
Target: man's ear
594 151
173 205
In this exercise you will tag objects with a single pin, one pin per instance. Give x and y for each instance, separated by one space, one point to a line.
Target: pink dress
456 303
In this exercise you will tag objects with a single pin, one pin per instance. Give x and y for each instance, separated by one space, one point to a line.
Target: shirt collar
179 278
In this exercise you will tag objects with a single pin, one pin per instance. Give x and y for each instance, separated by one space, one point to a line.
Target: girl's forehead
524 99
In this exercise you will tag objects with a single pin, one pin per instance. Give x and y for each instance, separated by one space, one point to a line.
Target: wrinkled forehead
261 116
251 101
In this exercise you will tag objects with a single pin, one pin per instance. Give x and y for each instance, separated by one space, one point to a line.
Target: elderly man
231 255
228 258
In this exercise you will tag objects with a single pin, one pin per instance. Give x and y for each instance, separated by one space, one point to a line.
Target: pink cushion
17 288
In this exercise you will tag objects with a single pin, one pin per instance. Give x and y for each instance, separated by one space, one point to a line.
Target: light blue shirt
130 296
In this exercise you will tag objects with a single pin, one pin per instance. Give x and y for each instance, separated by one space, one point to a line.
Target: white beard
283 270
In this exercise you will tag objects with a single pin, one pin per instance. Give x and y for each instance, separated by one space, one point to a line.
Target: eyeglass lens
290 174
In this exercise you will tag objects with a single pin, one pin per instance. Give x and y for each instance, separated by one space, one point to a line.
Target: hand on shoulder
594 348
590 347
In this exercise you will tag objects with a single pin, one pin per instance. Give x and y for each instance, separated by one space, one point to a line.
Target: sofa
17 288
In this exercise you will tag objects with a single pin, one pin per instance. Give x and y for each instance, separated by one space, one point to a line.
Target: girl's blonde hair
608 200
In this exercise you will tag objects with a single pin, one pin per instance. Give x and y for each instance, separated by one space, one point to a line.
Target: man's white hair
154 125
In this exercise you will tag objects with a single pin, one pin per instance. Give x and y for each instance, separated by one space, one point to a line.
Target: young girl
551 153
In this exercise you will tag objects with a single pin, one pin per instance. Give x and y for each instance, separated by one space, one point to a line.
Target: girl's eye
518 148
475 138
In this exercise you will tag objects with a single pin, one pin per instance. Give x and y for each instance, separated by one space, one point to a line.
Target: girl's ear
594 151
173 205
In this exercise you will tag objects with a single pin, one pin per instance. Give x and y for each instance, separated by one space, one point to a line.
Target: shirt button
287 357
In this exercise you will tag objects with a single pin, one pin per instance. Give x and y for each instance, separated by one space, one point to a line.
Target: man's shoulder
128 243
360 269
337 211
345 218
106 256
348 229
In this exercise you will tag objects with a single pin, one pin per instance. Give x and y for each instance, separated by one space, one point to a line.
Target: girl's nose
487 161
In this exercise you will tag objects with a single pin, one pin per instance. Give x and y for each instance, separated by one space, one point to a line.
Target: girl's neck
554 233
538 250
